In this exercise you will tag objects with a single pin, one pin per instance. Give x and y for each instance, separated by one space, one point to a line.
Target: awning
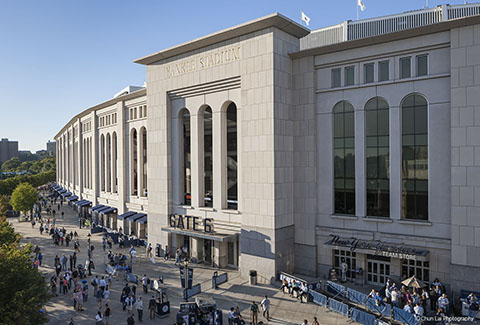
104 208
96 207
79 202
66 194
60 191
198 234
135 216
142 220
72 198
109 210
84 203
126 215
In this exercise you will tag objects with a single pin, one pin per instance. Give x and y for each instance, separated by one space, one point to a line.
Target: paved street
236 292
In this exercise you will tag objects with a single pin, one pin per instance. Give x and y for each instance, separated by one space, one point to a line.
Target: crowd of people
426 301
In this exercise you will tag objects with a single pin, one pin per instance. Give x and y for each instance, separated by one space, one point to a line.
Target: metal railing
389 24
352 30
460 11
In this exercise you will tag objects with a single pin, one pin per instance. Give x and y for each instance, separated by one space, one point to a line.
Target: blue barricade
338 307
362 317
318 298
384 309
404 316
356 296
335 288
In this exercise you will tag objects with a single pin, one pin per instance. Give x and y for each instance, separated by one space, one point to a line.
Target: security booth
107 217
71 199
122 224
82 207
131 226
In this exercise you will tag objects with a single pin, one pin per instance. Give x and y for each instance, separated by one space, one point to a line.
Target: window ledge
206 209
343 216
378 219
230 211
188 207
415 223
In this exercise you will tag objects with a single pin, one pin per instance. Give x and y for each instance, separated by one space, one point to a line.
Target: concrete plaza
236 292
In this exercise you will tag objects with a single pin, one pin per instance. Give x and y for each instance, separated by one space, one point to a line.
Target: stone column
219 159
140 162
95 159
219 254
360 195
395 164
121 158
81 160
196 141
197 248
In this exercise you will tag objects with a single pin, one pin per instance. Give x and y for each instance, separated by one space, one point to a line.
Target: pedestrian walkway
236 292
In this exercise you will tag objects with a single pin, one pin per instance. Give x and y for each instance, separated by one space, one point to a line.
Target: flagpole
357 11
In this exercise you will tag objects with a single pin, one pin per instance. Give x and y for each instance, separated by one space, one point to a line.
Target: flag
361 5
305 18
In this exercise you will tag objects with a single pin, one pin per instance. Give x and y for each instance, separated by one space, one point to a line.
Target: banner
182 277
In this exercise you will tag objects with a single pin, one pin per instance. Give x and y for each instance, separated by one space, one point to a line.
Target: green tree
23 288
24 197
4 204
11 165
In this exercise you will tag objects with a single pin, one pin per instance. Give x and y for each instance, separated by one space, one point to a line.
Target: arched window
109 164
208 156
134 163
344 157
414 157
377 156
114 163
187 172
143 133
102 163
231 153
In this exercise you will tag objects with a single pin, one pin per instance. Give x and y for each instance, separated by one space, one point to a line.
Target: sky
60 57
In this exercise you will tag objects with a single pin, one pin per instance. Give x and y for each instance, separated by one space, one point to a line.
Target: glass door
377 272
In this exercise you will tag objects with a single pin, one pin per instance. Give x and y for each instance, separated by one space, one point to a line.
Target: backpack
148 281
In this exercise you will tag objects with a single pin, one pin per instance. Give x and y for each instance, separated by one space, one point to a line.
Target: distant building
51 147
8 149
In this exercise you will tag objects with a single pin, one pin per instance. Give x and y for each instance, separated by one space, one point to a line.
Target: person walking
254 313
129 303
139 307
145 281
40 258
130 319
151 307
107 314
167 253
266 307
64 262
99 318
315 321
74 258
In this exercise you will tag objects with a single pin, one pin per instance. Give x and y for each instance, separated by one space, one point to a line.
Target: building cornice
404 34
136 94
274 20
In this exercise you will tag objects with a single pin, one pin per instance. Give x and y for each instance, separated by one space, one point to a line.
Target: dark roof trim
408 33
273 20
110 102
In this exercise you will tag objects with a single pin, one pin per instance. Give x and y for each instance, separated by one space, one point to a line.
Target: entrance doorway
207 251
378 269
232 254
